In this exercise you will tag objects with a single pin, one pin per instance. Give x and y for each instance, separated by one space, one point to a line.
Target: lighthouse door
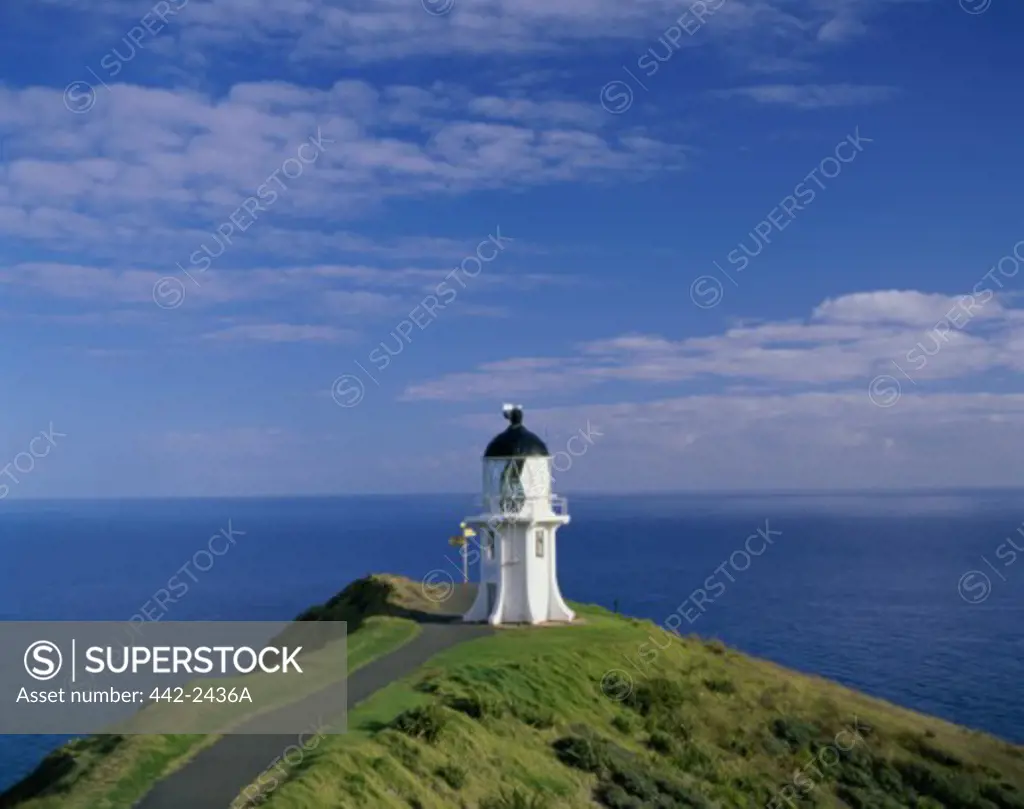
492 596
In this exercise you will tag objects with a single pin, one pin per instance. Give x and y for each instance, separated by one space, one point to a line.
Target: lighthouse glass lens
512 493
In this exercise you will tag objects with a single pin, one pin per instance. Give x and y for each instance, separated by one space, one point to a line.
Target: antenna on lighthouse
513 412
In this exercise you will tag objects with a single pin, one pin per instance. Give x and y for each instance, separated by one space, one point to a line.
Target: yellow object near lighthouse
460 539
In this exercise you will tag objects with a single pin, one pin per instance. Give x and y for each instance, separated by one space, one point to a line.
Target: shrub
720 686
515 800
662 743
746 790
581 753
452 774
430 684
626 781
859 798
534 717
863 728
682 795
773 746
739 744
615 797
657 696
1002 796
670 723
691 758
623 723
951 789
362 598
857 769
886 776
402 750
637 783
476 706
422 723
794 732
927 750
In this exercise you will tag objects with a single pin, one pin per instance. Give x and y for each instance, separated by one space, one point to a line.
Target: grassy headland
572 717
113 772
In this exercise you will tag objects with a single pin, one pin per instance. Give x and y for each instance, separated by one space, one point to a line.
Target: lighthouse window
489 543
512 493
540 543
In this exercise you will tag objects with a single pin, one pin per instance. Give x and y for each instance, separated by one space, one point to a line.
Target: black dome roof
516 441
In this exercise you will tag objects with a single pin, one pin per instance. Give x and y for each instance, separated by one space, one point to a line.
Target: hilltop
613 712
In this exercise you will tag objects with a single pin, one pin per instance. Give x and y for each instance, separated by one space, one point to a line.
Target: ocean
915 598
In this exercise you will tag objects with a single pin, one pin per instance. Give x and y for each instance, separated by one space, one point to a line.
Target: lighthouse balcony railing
549 503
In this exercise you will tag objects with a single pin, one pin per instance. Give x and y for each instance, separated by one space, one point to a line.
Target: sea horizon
881 492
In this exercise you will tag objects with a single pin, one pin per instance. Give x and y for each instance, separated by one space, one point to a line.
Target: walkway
215 777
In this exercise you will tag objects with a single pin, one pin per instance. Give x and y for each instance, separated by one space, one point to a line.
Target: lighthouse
518 571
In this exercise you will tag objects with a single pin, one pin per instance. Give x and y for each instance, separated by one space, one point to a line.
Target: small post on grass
467 534
461 541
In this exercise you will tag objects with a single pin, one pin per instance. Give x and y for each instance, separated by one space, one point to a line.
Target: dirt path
215 777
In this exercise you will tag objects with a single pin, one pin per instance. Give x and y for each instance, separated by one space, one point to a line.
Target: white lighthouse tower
516 531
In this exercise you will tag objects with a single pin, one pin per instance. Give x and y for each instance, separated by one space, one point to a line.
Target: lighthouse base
493 607
518 583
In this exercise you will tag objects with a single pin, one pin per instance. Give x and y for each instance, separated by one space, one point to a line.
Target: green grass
529 718
520 720
113 772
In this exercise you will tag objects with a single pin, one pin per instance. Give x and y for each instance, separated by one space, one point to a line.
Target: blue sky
621 155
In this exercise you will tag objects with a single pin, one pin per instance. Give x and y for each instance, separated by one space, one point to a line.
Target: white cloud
339 289
282 333
798 441
345 302
897 307
182 162
846 340
841 29
373 30
758 33
811 96
544 112
82 282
